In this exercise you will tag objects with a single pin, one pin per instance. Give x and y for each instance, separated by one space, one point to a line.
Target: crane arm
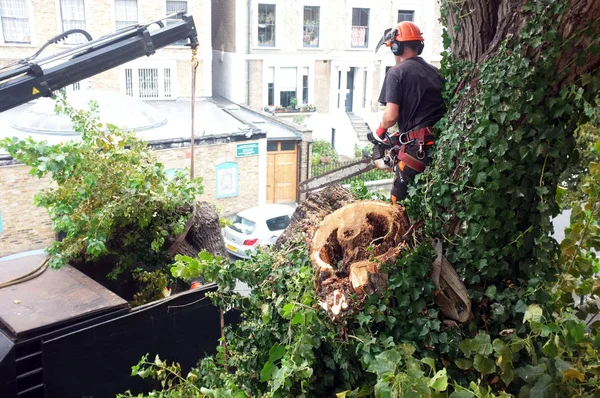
31 78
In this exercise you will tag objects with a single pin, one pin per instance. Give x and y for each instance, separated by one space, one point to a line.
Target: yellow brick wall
27 227
24 226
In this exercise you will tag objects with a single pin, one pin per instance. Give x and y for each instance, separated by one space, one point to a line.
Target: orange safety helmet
403 32
406 31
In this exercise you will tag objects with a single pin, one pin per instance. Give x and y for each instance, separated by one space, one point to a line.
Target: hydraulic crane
34 77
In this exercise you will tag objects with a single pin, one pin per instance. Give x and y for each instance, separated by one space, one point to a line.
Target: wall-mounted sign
227 180
247 149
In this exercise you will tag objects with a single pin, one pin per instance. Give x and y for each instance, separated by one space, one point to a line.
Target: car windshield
278 223
243 225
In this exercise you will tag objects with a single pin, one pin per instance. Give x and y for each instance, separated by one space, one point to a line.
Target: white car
260 225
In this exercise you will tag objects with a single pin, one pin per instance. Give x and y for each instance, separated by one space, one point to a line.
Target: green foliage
109 194
490 196
150 286
323 152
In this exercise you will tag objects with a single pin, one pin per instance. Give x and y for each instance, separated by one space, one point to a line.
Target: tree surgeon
412 96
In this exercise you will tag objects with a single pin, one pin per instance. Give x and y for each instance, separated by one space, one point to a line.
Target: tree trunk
202 232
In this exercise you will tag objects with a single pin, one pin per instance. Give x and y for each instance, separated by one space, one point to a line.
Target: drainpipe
299 171
248 51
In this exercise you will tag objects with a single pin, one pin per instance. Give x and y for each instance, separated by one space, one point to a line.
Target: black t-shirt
416 87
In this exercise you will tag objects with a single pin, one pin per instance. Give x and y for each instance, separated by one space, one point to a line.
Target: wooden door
282 169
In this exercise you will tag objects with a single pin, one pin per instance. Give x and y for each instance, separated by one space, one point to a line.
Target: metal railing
371 175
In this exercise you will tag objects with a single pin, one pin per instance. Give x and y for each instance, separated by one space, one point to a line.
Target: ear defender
397 48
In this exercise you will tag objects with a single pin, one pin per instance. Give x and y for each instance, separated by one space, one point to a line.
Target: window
287 146
288 92
311 26
243 225
175 7
406 16
14 20
360 27
271 86
72 15
149 83
272 146
278 223
126 13
305 85
266 25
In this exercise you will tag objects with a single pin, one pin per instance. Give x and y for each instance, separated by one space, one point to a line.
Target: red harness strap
418 135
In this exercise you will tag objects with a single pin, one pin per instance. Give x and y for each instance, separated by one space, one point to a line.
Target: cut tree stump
349 248
202 232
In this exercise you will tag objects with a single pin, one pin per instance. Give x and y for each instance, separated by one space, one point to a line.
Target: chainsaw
384 157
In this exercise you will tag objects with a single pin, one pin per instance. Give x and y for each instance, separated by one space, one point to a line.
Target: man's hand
376 139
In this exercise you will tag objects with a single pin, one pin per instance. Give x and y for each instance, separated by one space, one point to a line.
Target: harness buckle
405 139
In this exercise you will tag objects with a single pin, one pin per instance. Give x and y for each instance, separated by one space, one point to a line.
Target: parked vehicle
256 226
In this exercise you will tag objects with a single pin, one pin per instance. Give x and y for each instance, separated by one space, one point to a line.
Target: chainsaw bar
336 175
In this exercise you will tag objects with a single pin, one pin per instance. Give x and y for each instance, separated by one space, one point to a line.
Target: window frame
161 66
59 22
114 12
318 25
407 12
352 26
31 43
181 43
257 20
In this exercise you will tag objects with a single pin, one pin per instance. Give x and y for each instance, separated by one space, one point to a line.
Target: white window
288 93
126 13
72 15
149 83
174 6
404 15
266 25
79 86
14 20
360 27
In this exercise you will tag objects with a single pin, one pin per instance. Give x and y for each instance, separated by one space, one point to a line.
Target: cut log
349 249
202 232
311 211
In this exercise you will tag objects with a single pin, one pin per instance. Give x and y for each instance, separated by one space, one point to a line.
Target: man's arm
390 115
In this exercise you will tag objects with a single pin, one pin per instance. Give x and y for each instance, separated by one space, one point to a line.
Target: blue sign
227 180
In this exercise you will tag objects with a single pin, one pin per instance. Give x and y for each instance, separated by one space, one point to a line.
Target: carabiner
420 152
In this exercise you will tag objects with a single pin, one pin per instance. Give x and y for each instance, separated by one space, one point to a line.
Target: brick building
25 25
268 52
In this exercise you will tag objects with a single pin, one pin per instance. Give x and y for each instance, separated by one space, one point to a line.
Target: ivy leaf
287 310
578 332
574 374
462 394
483 364
520 307
464 363
439 382
383 390
491 292
381 367
267 371
429 361
481 344
541 387
550 349
533 314
276 352
298 318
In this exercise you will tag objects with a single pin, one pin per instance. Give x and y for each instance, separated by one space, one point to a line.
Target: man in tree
412 95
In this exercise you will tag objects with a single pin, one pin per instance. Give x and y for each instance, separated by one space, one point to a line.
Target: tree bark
203 232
